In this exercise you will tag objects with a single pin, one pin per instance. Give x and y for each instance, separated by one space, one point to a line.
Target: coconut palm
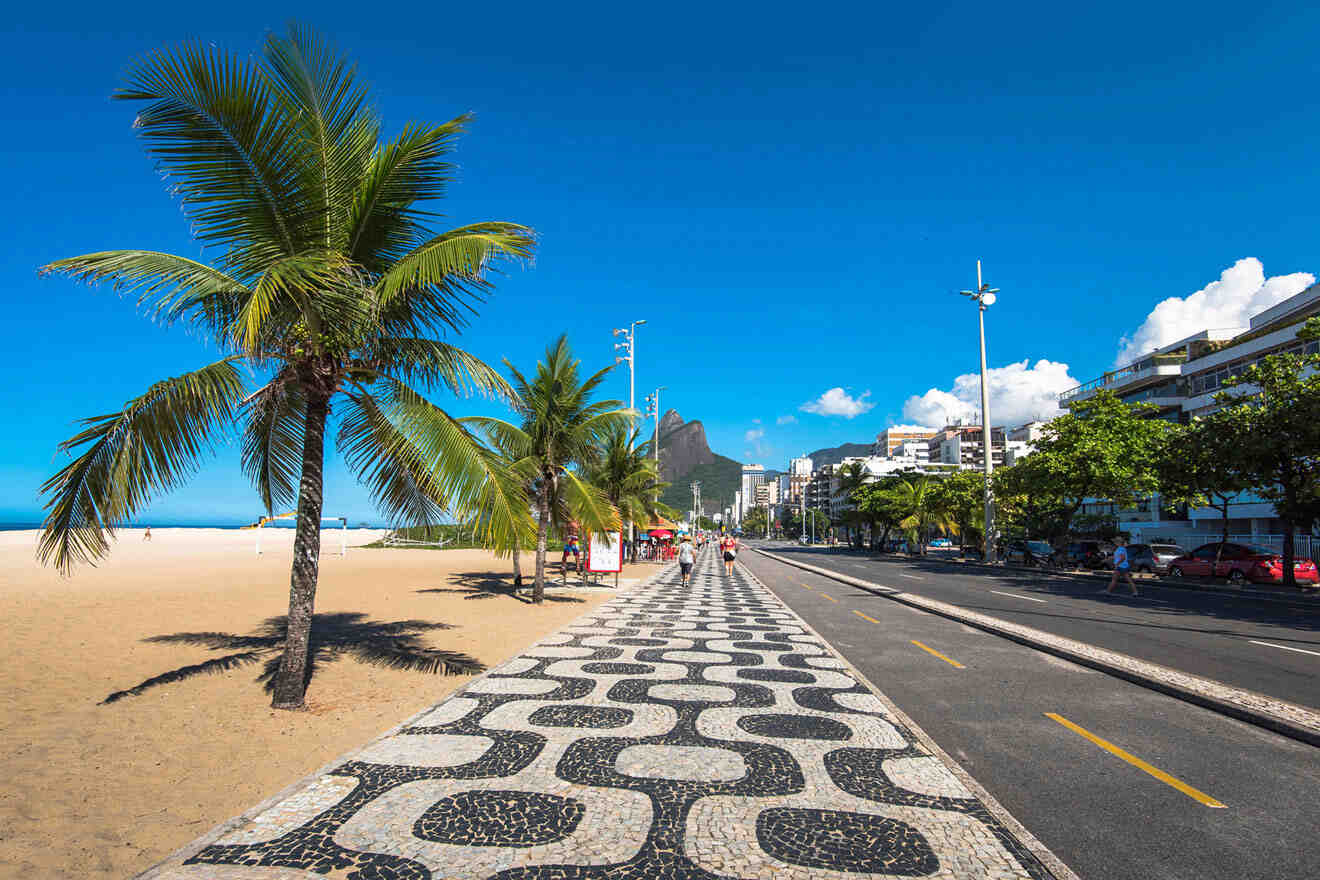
557 440
627 474
852 476
920 503
326 282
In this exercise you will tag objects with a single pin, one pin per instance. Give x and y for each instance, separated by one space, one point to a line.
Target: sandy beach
107 790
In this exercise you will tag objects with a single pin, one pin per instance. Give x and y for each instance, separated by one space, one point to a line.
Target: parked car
1087 554
1153 558
941 543
1240 564
1028 552
896 545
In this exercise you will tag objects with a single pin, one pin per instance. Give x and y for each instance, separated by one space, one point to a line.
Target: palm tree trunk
517 568
291 680
542 527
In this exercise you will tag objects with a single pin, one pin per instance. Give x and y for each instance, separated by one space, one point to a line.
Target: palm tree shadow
391 644
485 585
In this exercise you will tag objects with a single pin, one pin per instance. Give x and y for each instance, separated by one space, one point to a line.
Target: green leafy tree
816 520
753 524
559 435
1278 453
851 476
919 502
1197 464
326 280
961 497
879 502
1102 448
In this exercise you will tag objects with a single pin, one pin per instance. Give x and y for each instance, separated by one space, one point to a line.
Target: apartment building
888 441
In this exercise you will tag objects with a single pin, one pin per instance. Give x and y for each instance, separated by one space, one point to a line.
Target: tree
1102 448
560 433
852 476
961 497
753 523
880 504
918 500
1197 464
1278 450
326 280
817 522
626 472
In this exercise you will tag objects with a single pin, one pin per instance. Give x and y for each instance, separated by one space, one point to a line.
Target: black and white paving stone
676 732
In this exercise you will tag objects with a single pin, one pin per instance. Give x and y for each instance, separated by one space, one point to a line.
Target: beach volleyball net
342 521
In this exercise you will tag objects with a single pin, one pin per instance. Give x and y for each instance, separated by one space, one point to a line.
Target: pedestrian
146 535
686 556
1123 566
730 554
571 545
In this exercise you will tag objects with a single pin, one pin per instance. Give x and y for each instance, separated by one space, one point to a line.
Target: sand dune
107 790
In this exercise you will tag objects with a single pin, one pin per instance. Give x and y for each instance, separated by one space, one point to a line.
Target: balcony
1147 371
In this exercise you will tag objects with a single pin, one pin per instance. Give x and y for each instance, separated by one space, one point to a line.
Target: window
1206 553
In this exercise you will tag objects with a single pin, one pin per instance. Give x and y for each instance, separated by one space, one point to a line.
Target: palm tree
918 499
628 476
326 281
852 476
559 434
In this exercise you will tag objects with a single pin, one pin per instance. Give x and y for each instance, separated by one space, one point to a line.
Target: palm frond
589 505
174 287
209 125
429 361
393 469
275 418
148 447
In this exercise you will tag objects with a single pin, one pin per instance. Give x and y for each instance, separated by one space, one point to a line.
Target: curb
1294 600
1244 705
1029 841
196 845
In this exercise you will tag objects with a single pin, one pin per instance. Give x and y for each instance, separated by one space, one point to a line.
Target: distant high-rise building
890 439
800 467
753 475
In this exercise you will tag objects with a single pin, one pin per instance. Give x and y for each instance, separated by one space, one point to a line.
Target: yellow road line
1193 793
805 586
828 596
864 617
930 650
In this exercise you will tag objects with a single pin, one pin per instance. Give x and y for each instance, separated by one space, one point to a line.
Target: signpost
605 554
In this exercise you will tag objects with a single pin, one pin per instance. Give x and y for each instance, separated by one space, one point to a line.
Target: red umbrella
661 533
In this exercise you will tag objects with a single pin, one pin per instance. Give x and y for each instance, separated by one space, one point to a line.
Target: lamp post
653 409
629 345
984 296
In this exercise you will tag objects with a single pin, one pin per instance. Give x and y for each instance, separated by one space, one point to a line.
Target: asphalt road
1269 648
1103 816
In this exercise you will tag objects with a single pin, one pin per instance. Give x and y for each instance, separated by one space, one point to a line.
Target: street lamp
984 296
653 409
629 346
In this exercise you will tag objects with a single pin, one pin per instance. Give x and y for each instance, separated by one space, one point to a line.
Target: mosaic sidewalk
699 732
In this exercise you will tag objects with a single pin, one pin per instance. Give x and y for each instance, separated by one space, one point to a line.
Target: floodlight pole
984 296
630 346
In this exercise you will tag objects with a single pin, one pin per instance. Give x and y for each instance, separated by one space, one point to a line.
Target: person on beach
730 548
146 535
686 556
1123 566
572 546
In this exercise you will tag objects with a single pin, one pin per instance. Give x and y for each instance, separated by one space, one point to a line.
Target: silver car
1153 558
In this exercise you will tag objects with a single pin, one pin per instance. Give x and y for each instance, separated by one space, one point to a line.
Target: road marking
1193 793
930 650
828 596
910 576
805 586
1284 647
864 617
1016 596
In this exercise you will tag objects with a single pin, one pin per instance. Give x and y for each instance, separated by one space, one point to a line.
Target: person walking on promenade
730 547
686 556
1123 566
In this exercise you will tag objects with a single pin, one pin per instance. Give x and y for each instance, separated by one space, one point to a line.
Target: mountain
685 456
836 454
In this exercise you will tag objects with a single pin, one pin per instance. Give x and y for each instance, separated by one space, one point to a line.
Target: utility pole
696 502
984 295
629 345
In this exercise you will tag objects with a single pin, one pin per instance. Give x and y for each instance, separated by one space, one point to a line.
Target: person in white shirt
686 556
1123 566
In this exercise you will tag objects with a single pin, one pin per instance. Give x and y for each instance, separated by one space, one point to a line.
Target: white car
941 542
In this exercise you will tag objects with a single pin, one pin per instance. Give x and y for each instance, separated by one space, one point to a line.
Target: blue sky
790 202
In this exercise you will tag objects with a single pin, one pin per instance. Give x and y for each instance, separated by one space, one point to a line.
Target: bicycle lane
1018 720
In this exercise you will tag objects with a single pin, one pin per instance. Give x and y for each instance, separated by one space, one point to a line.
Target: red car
1240 563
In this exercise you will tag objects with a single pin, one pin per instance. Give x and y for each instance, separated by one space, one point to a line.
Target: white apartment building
891 439
1181 380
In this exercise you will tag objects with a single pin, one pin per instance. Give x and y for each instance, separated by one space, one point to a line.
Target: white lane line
1016 596
910 576
1284 647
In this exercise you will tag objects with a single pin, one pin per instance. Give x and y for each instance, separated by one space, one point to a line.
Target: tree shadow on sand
395 645
486 585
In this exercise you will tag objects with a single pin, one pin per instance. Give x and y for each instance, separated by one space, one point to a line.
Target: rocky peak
670 421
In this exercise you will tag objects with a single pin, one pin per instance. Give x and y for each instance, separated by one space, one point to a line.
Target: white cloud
1018 393
1241 291
753 435
837 402
786 420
